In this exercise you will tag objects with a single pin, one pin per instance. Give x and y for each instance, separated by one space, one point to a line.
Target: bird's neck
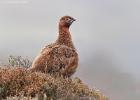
65 37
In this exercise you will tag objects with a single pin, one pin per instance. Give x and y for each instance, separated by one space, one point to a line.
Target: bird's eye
67 19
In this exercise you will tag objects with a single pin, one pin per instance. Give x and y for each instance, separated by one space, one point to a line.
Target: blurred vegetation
18 61
18 83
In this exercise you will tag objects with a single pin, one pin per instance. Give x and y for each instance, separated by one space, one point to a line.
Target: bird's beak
72 20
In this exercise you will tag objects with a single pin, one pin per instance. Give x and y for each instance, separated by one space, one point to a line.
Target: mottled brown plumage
60 57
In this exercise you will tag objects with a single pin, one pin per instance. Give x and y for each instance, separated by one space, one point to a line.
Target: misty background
106 35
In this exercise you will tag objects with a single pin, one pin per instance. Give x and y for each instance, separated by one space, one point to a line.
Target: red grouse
60 57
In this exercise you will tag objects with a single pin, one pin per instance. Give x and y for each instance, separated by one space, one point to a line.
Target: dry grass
20 84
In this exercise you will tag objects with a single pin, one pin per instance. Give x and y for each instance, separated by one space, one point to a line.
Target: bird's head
66 21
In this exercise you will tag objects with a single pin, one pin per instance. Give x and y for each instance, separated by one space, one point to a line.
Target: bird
60 57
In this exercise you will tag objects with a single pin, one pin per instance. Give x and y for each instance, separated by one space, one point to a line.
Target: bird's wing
41 59
61 59
48 48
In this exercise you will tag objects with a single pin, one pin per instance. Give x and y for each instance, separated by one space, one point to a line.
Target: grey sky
106 35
